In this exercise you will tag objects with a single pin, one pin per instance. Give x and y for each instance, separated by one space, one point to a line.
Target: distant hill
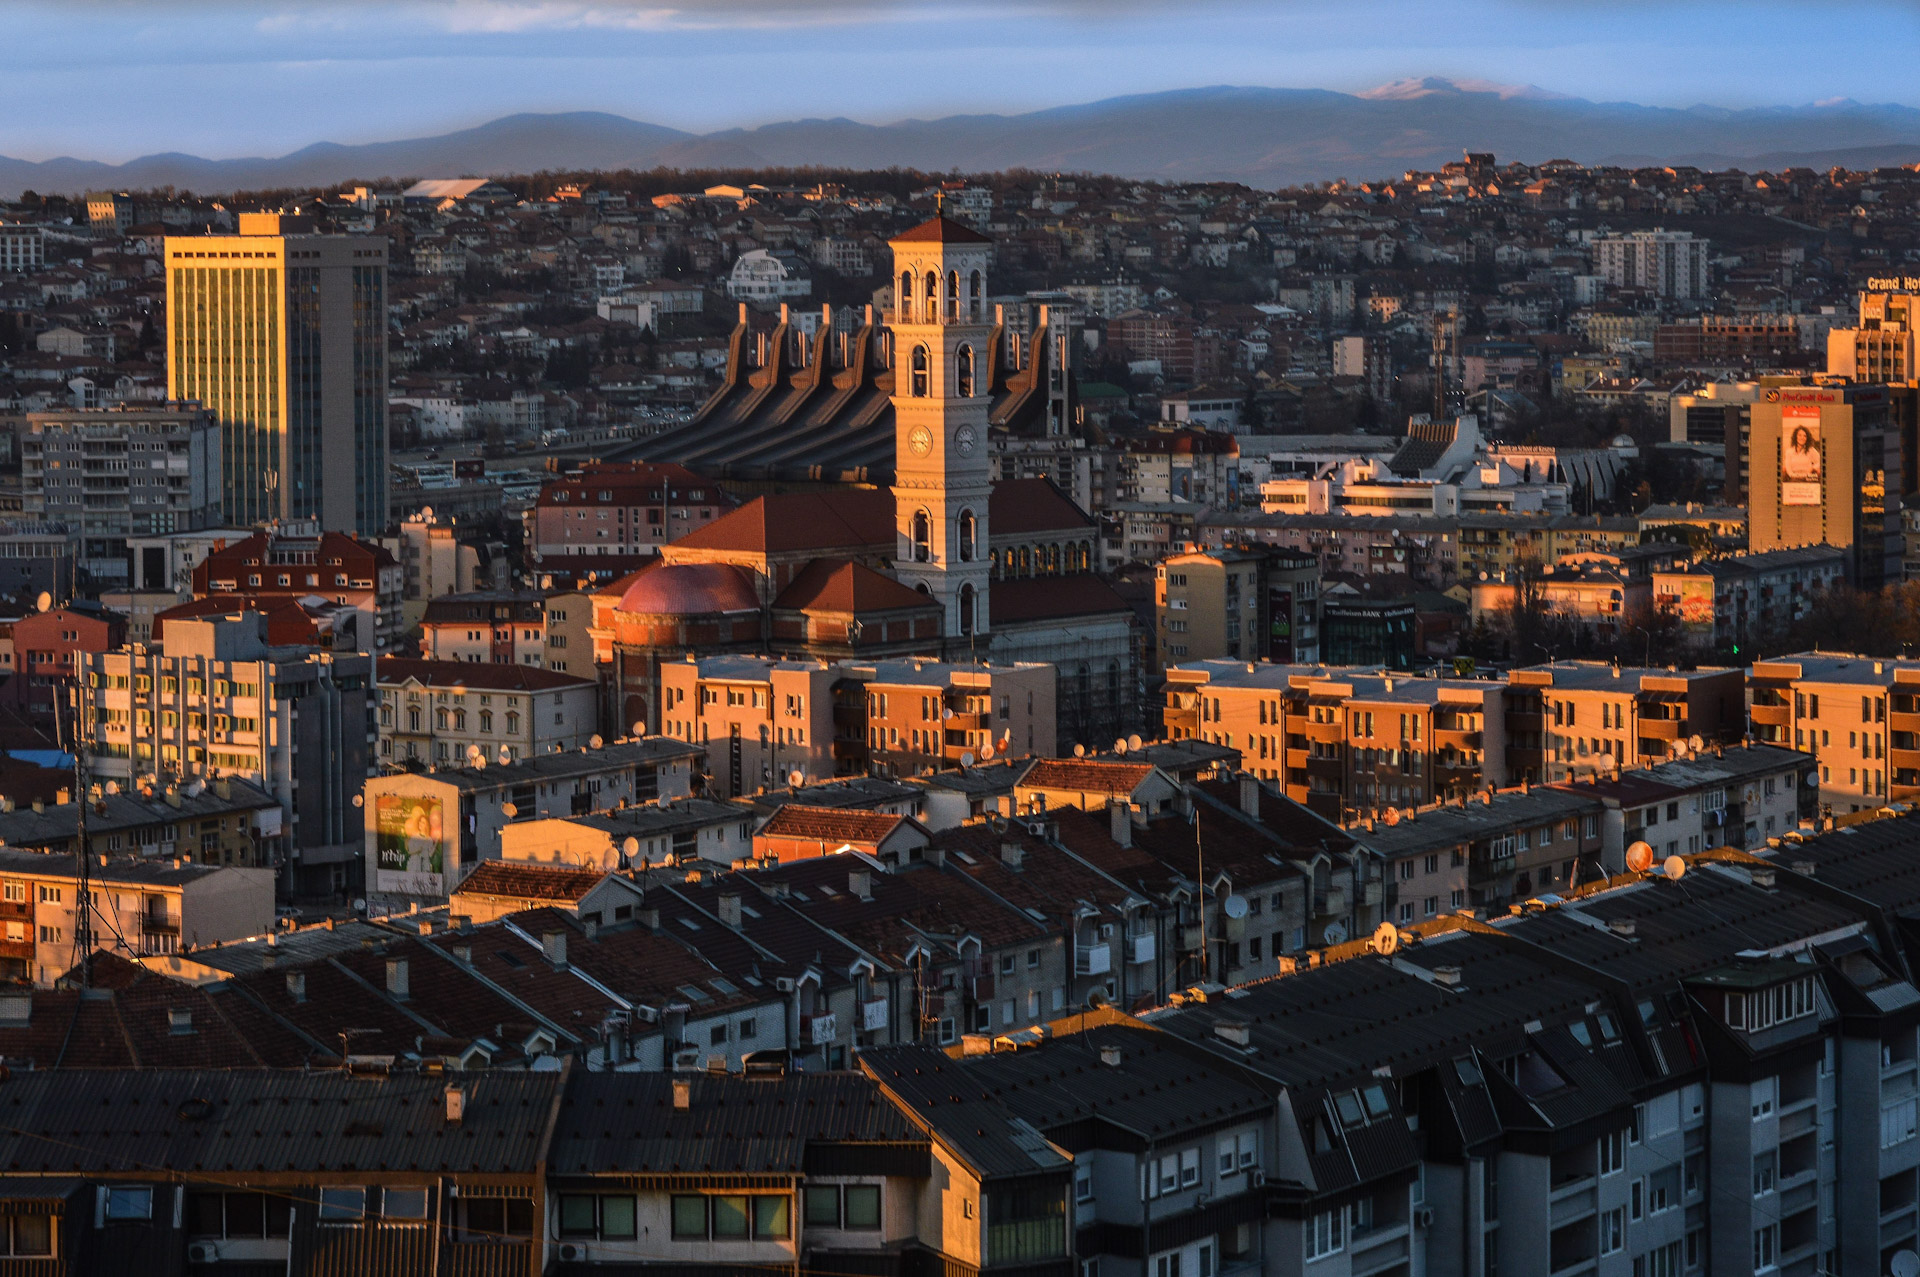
1267 137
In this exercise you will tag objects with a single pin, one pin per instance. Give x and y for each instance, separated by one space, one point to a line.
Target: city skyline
269 78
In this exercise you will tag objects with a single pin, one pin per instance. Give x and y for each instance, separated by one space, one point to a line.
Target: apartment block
440 712
298 562
1858 717
1739 600
214 699
500 627
111 474
931 715
1238 604
760 719
1590 718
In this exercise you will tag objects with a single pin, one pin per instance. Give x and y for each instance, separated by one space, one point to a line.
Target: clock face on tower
920 440
963 440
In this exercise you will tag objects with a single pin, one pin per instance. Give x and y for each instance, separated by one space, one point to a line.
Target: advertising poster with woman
410 844
1802 458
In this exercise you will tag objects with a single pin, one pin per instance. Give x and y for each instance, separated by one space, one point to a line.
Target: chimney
682 1095
1250 795
1621 926
554 945
648 918
1011 854
456 1097
1235 1032
1110 1056
591 926
1448 976
297 985
460 922
397 979
463 954
1120 820
860 883
730 910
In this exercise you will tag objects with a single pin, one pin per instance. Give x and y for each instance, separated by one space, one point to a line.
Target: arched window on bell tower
922 537
963 372
905 299
966 609
953 296
932 311
976 297
966 535
919 372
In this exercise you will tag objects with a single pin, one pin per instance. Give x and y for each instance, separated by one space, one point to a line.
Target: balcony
1456 738
1189 936
1325 732
1526 721
1092 959
1663 729
820 1029
873 1015
1772 715
1902 721
1329 768
1140 949
1297 759
160 924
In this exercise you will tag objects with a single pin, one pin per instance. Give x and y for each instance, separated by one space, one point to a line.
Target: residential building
1740 601
1880 349
1486 851
1594 718
421 832
22 248
899 718
1244 604
219 822
139 907
762 720
436 712
213 699
116 473
622 509
306 436
435 561
496 627
50 650
1669 264
1859 718
305 565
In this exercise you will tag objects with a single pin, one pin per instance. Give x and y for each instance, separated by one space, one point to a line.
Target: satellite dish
509 810
358 799
113 787
1696 744
639 727
946 714
594 741
473 754
44 602
1640 857
1813 777
1236 906
631 846
1133 741
359 904
1392 817
479 762
1674 867
796 778
1336 933
966 759
506 755
1386 939
986 751
1120 746
1904 1264
1079 751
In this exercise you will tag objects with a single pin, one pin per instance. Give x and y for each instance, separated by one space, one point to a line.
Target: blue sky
111 79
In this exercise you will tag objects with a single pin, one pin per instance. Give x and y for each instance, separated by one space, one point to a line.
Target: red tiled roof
940 230
840 519
1085 775
528 882
841 585
476 674
830 824
1023 506
287 621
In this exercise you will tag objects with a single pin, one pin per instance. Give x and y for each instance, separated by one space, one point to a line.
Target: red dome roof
690 589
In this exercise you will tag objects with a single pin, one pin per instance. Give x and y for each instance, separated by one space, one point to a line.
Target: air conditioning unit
784 983
203 1252
573 1253
1423 1217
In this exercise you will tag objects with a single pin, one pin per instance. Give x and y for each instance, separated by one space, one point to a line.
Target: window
732 1218
1766 1247
1190 1168
862 1208
495 1219
343 1205
1763 1095
823 1206
1613 1231
919 372
1897 1122
1763 1166
26 1235
1327 1235
1612 1153
127 1204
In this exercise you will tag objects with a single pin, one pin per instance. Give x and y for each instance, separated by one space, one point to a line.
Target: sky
114 79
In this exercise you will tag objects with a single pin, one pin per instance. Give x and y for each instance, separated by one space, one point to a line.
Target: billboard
1280 626
410 844
1803 459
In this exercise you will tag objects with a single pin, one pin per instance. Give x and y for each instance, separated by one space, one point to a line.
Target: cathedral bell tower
942 474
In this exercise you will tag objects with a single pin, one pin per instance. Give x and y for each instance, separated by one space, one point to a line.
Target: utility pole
1200 867
82 855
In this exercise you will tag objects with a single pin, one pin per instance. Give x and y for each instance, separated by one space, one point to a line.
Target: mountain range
1263 136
